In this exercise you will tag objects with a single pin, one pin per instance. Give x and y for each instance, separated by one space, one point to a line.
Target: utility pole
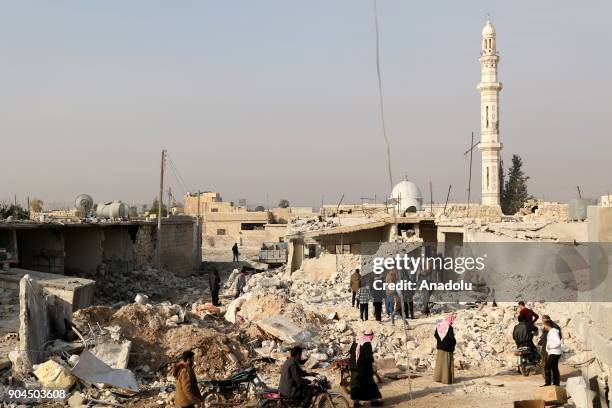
159 206
447 197
430 198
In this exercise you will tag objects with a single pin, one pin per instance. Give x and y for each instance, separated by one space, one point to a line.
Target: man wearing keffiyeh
445 339
363 387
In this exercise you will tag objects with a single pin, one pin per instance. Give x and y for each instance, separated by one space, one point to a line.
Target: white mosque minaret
489 88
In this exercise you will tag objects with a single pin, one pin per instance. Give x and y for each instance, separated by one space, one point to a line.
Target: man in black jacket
523 334
293 383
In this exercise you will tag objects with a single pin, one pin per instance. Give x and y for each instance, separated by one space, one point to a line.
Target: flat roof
30 224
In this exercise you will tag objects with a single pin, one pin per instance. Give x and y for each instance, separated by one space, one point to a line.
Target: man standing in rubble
543 340
235 252
240 282
529 315
214 282
355 285
187 392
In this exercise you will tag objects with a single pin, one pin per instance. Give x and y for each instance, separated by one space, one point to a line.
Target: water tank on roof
112 210
407 197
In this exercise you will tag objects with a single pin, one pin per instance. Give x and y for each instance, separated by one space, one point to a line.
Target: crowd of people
397 302
363 387
549 351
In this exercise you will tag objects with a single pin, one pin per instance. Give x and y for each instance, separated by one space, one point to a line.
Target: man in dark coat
363 387
523 334
214 282
293 383
355 285
235 252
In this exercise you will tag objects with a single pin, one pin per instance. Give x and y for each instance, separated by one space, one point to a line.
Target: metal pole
470 176
447 196
159 206
430 198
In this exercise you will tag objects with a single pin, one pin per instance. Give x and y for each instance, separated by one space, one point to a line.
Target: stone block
284 330
53 375
551 394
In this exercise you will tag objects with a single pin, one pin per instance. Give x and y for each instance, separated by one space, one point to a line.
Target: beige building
225 224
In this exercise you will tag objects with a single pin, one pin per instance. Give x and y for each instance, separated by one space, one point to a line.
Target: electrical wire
380 94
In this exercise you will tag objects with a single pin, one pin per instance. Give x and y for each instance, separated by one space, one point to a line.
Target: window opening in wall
221 231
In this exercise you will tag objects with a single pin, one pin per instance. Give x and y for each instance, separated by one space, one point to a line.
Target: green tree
13 210
155 206
284 203
514 193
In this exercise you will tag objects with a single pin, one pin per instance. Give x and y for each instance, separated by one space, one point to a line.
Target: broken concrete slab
116 355
284 329
93 370
582 396
34 328
51 374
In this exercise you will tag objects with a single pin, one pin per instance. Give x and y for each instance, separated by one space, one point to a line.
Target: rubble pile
118 286
284 304
160 333
310 224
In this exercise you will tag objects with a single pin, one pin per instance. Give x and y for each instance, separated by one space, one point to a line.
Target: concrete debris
94 371
34 326
284 330
51 374
116 355
581 395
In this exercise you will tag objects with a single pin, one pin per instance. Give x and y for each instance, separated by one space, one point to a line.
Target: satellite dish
84 204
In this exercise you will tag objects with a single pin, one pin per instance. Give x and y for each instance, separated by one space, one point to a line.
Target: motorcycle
234 391
322 398
528 359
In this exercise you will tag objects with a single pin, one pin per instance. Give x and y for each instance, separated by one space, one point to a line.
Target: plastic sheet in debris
93 370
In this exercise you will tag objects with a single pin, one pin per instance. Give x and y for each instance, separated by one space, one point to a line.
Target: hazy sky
280 97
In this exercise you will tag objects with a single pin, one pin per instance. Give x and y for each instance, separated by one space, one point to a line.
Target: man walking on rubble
364 300
354 286
214 283
235 252
187 392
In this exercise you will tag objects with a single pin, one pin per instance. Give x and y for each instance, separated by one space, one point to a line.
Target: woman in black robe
363 387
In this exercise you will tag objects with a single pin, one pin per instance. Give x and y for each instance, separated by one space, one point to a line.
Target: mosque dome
407 196
488 30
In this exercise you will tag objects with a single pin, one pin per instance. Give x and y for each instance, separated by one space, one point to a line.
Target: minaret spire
489 88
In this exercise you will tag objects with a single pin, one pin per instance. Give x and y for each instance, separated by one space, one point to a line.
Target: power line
380 93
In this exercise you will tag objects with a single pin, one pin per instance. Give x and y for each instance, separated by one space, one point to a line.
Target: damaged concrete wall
118 248
41 250
83 249
34 326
